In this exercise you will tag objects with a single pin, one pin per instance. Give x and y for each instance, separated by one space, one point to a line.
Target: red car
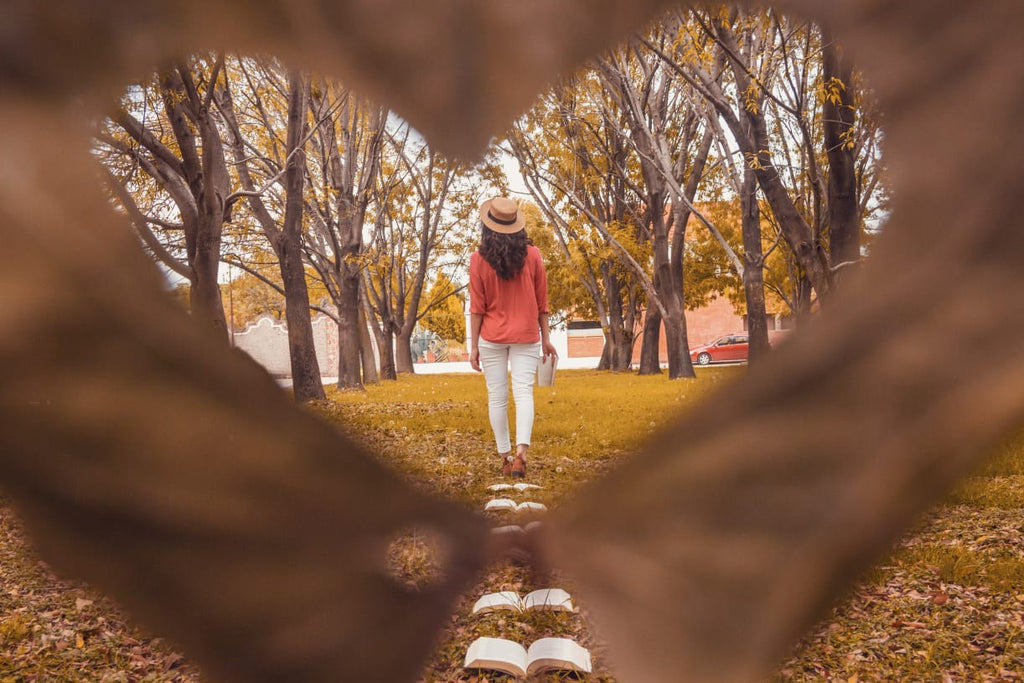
732 348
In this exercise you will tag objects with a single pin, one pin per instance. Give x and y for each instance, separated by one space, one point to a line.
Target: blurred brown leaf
171 471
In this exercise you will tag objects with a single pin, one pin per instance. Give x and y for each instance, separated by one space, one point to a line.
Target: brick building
705 324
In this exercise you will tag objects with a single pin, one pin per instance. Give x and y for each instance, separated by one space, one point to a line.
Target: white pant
495 360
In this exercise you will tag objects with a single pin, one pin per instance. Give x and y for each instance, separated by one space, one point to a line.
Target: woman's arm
545 336
475 321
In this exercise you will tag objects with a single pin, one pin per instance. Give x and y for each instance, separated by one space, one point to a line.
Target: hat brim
487 219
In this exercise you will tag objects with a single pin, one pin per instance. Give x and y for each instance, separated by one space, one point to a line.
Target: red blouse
510 308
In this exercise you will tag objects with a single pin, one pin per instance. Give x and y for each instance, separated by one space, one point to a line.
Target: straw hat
502 214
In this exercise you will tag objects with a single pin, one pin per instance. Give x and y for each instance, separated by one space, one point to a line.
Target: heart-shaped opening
145 453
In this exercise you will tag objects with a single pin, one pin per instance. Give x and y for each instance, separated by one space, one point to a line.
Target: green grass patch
1007 459
999 481
15 629
955 564
434 428
1003 492
946 604
942 606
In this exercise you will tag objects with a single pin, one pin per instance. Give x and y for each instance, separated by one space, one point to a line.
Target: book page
558 654
496 601
500 504
548 599
518 486
497 654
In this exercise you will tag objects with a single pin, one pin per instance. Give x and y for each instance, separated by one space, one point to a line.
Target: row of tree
722 152
303 185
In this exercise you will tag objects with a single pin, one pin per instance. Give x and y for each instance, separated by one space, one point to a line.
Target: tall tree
180 150
581 180
424 228
283 228
747 262
344 170
672 151
750 129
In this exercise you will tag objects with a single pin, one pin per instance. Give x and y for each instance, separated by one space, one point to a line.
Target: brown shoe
519 466
506 465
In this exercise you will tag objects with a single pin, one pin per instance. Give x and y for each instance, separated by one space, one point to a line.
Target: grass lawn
946 605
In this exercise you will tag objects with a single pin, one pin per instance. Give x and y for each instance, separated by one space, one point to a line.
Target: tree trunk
367 360
670 293
204 169
386 351
679 365
606 353
616 355
622 360
382 333
802 300
618 340
808 251
753 268
650 363
838 114
403 352
306 381
204 293
349 353
751 132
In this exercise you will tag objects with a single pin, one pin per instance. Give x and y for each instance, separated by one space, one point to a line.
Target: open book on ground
546 654
518 486
543 599
509 504
515 528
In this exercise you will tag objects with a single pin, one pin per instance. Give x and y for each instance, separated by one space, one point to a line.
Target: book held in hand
546 371
509 504
546 654
555 599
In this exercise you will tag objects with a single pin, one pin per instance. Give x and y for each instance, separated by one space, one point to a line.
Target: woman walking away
508 293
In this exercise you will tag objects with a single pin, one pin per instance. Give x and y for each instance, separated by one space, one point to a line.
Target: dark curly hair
505 253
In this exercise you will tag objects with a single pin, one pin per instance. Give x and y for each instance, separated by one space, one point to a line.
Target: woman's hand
549 349
474 358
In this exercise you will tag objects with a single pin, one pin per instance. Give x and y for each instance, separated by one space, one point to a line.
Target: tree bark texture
753 271
366 360
306 380
349 337
403 352
671 295
650 343
618 338
839 115
381 330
